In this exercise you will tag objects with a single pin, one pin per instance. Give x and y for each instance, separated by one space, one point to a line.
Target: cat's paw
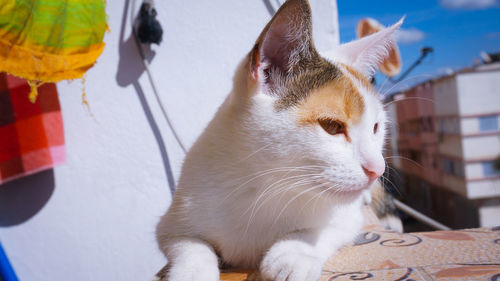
198 268
290 267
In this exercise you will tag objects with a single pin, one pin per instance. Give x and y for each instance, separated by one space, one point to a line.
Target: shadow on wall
130 68
269 6
23 198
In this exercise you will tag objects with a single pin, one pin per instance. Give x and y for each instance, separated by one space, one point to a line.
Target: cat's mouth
355 190
346 188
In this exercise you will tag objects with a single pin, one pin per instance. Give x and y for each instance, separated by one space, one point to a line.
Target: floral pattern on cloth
377 254
380 254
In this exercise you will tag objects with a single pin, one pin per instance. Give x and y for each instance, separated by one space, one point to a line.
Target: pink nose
374 171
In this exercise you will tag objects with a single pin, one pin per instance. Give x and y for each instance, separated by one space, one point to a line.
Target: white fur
366 53
236 193
259 190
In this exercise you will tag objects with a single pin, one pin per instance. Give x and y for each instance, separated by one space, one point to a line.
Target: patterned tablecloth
377 254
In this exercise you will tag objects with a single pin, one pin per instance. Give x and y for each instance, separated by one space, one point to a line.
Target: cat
275 181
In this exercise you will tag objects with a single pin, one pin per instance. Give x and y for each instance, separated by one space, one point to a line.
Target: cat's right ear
283 44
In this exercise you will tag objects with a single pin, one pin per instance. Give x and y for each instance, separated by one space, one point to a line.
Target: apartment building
444 142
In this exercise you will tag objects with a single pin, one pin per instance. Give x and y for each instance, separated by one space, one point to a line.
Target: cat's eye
375 128
333 127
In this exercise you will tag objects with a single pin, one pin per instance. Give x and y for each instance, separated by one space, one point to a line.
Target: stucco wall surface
93 218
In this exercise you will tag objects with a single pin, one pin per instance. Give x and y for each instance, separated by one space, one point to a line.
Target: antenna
424 51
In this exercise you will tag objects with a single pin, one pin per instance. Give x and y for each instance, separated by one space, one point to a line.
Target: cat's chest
246 237
241 247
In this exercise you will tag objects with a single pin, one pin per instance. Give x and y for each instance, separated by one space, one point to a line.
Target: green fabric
56 24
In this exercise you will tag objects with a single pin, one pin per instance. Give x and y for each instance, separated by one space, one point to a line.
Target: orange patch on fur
339 100
358 76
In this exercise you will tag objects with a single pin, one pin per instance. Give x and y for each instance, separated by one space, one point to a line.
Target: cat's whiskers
279 169
251 217
318 196
264 173
299 179
283 188
405 80
319 179
253 153
405 158
394 170
284 183
392 184
410 98
385 82
293 199
282 191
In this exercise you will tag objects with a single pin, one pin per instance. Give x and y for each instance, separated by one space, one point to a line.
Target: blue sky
458 30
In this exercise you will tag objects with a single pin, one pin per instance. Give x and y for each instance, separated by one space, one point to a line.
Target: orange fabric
38 66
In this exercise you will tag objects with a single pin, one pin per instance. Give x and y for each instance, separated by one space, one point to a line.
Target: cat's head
318 111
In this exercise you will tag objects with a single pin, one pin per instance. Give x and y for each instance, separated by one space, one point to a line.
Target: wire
153 84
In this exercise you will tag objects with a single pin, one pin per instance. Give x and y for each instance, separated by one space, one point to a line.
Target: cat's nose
374 170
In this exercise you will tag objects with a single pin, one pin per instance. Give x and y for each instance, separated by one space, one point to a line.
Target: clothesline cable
419 216
153 83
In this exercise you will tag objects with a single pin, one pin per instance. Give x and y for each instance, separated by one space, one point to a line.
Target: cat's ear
283 43
366 53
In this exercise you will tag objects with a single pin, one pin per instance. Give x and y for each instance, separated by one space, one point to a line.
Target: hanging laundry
31 134
50 40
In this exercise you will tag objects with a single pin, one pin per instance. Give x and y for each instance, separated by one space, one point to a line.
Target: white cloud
409 36
468 4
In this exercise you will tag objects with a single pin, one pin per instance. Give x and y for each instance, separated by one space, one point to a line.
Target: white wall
483 189
98 211
487 147
469 126
485 85
474 170
488 213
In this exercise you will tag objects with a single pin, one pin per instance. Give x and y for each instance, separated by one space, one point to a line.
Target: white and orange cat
275 182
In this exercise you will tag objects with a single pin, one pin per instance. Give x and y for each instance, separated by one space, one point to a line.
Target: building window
459 169
416 156
448 166
489 169
453 167
455 126
488 123
448 125
441 126
430 123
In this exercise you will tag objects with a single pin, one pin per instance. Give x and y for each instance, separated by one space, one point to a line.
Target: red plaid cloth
31 134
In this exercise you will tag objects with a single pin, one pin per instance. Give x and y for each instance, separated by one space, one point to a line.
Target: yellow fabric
50 40
32 65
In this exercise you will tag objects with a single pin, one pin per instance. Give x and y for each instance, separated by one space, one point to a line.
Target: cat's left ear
366 53
284 44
